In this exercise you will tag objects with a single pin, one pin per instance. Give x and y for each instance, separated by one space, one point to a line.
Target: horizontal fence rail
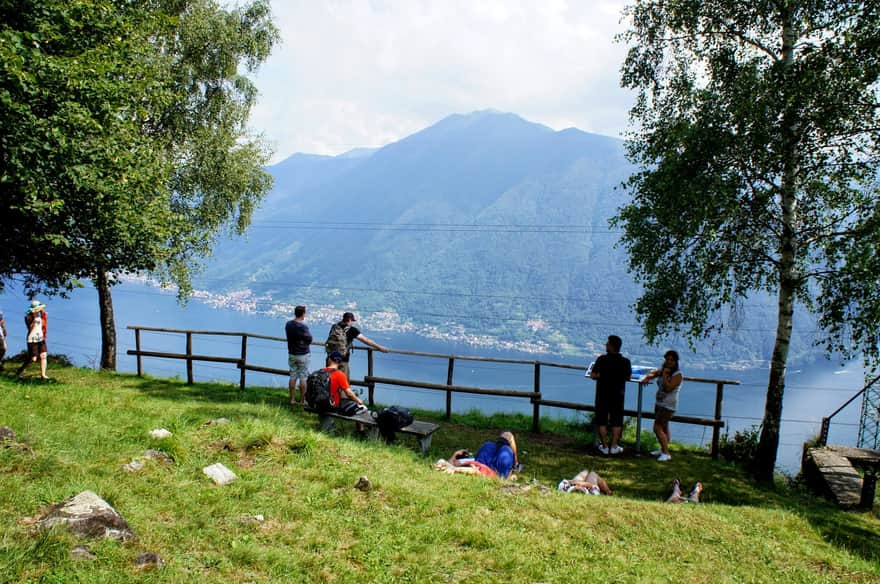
370 380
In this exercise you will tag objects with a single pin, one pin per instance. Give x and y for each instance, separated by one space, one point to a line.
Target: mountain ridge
482 222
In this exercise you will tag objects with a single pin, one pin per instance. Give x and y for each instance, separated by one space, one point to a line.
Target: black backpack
318 390
392 419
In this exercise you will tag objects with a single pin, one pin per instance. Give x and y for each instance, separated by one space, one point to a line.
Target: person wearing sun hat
36 322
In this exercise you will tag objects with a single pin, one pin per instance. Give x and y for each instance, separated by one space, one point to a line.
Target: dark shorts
609 410
37 349
662 415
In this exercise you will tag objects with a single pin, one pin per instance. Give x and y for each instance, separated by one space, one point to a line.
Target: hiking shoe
603 449
656 452
615 450
664 457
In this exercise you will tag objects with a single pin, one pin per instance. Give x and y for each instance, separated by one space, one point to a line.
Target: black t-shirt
614 371
298 337
350 335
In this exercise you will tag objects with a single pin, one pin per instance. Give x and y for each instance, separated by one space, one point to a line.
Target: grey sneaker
603 449
656 452
615 450
664 457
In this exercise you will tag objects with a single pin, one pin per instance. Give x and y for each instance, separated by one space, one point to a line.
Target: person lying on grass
587 482
495 458
677 497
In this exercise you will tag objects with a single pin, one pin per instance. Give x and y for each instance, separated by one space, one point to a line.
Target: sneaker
656 452
664 457
603 449
615 450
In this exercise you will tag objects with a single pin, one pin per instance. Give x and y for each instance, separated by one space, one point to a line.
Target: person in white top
36 321
669 378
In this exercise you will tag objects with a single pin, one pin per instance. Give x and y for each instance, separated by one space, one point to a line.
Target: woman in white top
669 378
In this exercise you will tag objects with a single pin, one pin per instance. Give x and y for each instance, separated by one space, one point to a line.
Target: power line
436 227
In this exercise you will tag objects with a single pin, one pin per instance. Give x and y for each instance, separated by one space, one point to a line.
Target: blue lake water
812 391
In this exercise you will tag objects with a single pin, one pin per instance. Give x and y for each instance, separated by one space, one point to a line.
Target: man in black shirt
298 352
611 372
342 335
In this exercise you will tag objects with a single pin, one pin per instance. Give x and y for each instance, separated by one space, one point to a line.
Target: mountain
482 224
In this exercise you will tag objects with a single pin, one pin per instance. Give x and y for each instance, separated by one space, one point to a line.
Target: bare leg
662 433
675 496
43 366
25 364
292 386
603 435
615 435
694 497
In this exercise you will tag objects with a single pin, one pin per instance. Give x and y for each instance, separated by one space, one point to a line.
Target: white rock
133 466
219 474
160 433
89 515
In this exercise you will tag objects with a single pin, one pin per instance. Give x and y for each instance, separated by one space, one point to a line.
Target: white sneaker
615 450
664 457
656 452
603 449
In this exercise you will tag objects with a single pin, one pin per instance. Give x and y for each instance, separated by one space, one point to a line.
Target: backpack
318 391
337 340
392 419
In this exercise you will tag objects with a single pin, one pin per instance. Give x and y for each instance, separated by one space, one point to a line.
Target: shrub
742 448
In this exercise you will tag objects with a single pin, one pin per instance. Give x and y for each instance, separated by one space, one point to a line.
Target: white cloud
355 73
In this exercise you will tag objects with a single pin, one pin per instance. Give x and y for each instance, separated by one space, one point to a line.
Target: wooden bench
424 431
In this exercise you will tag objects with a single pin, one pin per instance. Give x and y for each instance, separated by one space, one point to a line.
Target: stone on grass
217 422
7 434
88 515
219 473
160 433
248 519
133 466
82 552
159 455
363 484
148 561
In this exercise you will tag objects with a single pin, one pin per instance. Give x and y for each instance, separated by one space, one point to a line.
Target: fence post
716 429
449 371
536 406
639 419
189 362
243 363
823 433
137 347
371 387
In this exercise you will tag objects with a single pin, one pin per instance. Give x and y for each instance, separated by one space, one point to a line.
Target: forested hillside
480 224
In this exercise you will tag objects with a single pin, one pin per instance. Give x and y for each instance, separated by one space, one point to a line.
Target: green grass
416 524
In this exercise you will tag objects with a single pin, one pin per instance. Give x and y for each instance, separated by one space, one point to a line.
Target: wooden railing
370 380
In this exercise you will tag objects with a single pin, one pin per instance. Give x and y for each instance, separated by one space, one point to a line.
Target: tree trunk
108 322
765 460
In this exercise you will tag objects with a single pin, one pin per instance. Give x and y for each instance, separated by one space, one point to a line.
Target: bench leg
869 486
425 443
372 432
326 423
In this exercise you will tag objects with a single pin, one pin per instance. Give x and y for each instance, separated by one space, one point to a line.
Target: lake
812 391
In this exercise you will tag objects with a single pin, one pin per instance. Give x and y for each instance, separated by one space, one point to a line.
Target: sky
365 73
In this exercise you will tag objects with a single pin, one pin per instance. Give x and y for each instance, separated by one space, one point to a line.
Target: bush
742 448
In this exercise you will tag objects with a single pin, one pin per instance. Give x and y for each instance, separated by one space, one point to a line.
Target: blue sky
353 73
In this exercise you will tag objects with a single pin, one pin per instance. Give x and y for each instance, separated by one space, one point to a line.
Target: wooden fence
370 380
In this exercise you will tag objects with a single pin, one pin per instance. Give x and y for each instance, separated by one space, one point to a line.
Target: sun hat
35 306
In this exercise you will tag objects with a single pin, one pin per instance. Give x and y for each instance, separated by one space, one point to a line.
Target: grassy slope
415 525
